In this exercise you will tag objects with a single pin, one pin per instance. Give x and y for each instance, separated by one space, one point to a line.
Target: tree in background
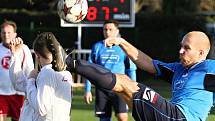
173 7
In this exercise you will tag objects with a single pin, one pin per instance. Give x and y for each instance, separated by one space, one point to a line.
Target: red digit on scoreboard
92 13
107 12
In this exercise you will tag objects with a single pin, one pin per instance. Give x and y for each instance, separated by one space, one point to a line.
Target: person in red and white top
11 100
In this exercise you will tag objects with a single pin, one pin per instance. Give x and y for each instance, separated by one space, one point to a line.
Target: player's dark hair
115 22
46 42
11 23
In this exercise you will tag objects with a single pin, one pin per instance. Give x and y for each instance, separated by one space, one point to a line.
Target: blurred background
159 24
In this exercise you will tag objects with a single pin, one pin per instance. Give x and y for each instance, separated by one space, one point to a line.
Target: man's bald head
200 40
195 47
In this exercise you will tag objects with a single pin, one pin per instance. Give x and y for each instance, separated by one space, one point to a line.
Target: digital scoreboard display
101 10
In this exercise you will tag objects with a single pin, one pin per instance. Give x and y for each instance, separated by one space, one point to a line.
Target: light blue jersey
113 58
192 89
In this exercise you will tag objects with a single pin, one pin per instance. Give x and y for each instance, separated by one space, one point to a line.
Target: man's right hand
88 97
109 42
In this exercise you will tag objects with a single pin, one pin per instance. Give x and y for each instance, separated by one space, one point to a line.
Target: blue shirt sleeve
87 82
159 65
87 86
165 70
91 59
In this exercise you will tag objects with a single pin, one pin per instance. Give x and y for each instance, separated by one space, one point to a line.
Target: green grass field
83 112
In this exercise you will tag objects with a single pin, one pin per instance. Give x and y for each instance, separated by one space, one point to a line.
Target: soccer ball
72 11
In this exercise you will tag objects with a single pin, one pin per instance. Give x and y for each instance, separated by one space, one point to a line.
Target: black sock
97 75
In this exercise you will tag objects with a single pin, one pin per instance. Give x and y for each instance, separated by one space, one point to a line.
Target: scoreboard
101 10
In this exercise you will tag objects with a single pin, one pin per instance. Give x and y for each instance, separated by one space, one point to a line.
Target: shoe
70 62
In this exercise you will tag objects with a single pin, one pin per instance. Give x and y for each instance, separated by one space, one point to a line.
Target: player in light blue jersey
192 79
117 61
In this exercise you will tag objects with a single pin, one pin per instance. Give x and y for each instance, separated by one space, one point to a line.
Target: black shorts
106 100
150 106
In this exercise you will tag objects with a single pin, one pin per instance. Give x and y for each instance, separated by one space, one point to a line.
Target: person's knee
122 116
3 117
125 84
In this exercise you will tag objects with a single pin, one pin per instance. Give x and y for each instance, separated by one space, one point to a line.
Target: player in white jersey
47 90
11 100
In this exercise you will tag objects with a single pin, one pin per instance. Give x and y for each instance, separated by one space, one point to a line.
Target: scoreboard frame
100 10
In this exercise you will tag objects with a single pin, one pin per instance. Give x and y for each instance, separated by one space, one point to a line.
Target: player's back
55 94
63 95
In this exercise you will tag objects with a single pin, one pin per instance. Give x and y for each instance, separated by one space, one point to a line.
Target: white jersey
25 57
49 97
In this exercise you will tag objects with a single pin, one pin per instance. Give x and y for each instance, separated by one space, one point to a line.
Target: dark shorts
105 101
11 105
150 106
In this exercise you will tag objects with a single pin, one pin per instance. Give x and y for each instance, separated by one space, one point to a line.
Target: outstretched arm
142 60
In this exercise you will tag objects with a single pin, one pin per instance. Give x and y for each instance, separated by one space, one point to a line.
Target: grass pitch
83 112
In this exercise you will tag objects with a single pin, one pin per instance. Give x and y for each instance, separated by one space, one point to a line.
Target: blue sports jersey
192 89
113 58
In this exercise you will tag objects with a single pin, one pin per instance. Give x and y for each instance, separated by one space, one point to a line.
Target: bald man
192 80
